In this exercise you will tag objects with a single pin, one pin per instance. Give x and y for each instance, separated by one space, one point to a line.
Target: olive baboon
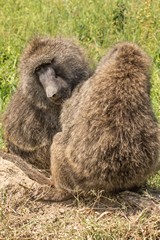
49 71
109 138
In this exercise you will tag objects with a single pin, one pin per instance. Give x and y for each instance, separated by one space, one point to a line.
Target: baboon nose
51 92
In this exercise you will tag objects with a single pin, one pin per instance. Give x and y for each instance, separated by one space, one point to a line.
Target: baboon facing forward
49 71
109 131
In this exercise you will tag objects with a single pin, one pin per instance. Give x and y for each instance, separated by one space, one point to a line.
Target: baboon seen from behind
109 132
49 71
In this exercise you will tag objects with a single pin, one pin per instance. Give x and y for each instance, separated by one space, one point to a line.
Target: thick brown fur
31 119
109 138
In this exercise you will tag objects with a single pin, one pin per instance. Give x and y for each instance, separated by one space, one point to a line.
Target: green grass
96 24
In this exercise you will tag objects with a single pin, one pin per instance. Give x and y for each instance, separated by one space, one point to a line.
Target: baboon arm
28 169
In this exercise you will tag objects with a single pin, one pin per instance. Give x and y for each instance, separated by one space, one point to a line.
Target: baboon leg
62 175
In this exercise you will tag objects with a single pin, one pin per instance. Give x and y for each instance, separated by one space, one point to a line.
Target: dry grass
127 215
97 25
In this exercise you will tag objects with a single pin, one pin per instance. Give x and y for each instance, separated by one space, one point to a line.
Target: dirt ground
127 215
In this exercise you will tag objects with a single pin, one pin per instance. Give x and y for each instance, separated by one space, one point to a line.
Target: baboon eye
52 61
37 68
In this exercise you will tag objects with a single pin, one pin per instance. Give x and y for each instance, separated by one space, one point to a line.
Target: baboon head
50 69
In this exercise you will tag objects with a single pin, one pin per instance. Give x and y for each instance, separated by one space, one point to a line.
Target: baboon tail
32 172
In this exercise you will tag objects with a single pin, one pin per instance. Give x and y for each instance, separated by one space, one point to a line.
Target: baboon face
56 88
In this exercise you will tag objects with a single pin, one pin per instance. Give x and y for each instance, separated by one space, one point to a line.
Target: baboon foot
48 193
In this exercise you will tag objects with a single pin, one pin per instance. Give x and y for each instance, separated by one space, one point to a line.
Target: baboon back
110 139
